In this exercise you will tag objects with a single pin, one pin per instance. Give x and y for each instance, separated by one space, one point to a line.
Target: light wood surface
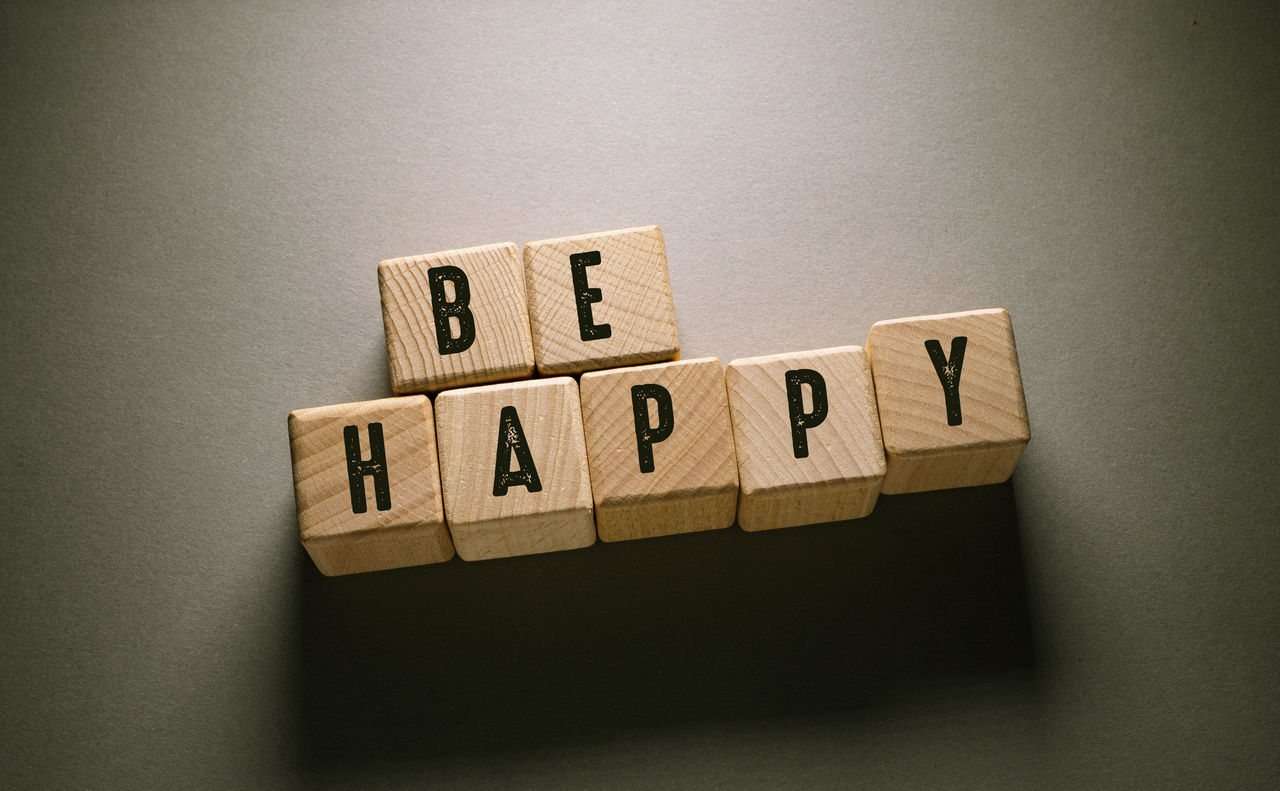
519 522
924 451
503 345
340 541
841 475
634 300
693 481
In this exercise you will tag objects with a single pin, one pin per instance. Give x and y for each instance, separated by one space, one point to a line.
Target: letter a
511 441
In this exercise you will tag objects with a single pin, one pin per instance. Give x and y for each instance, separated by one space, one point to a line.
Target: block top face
915 413
600 300
320 467
454 318
468 421
844 446
697 455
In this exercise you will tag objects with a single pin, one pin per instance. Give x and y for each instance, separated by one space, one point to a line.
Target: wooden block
660 447
514 468
950 397
600 300
367 485
807 435
455 318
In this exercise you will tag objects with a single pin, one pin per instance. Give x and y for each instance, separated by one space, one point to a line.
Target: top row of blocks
460 317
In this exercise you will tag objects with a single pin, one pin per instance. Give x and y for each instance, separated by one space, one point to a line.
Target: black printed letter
436 277
801 420
646 435
511 440
587 328
949 374
375 466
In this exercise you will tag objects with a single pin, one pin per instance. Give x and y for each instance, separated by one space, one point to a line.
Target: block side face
845 446
584 364
322 485
634 300
391 548
960 314
814 504
307 417
503 344
659 367
692 512
554 531
587 237
468 421
913 406
908 474
698 454
683 493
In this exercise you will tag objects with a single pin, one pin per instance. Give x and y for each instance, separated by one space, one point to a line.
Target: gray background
195 196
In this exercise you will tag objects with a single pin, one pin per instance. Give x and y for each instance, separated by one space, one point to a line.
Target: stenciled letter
646 434
949 373
375 466
457 308
511 441
801 420
584 295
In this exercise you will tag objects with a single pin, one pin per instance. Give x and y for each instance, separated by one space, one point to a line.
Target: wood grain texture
520 522
925 452
841 476
693 484
635 301
412 532
503 347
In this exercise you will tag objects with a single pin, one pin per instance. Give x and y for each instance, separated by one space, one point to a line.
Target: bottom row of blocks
548 464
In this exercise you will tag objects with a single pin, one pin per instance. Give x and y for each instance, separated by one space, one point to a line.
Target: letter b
457 308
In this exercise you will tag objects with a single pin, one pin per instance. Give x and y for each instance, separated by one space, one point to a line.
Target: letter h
376 465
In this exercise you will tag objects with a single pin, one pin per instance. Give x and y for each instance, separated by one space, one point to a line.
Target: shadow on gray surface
433 663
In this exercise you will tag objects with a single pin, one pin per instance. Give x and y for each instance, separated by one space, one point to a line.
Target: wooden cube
367 485
600 300
660 448
951 403
514 468
807 435
455 318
